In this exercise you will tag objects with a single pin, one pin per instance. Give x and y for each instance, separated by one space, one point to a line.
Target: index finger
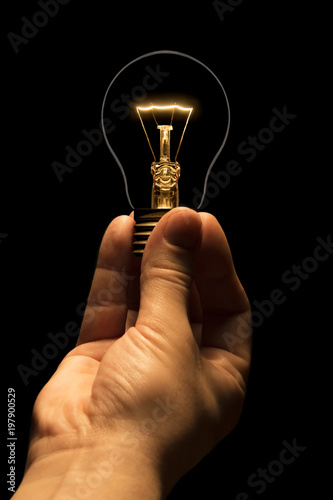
107 306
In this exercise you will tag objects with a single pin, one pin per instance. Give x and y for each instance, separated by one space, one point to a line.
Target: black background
267 55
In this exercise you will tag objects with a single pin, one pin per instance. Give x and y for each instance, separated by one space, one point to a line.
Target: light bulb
163 94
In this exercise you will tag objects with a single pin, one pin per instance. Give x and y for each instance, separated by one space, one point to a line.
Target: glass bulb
167 93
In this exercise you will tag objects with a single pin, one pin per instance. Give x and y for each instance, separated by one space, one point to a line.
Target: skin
152 385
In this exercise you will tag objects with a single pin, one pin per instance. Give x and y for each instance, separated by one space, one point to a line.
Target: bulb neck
164 197
165 193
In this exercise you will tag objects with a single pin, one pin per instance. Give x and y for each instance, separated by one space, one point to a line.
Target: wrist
119 471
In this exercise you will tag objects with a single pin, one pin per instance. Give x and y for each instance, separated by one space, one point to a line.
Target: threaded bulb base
145 221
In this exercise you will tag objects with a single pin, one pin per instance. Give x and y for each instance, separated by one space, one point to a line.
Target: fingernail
183 229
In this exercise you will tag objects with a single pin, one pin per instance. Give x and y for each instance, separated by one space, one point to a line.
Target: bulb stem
165 142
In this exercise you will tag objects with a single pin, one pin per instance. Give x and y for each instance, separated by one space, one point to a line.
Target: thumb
167 271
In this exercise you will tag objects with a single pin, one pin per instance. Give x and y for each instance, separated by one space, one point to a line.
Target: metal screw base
145 221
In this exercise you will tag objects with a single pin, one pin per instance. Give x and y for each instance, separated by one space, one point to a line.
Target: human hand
151 386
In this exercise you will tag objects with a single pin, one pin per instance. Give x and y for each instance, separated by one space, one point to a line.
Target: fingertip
215 249
119 226
117 238
183 228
